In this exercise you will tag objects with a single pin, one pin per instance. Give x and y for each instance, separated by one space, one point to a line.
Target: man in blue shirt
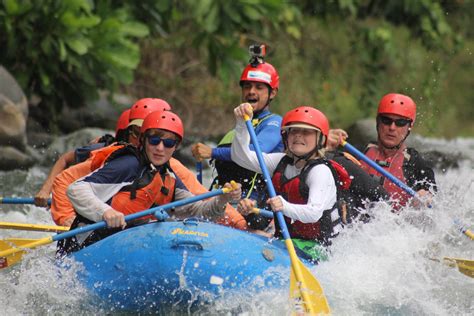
259 82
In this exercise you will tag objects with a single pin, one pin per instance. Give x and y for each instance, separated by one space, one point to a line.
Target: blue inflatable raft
169 263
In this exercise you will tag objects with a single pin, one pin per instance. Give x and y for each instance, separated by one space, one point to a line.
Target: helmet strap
307 156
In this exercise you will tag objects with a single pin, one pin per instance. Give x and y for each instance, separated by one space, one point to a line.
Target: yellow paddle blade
308 295
9 243
12 249
465 266
33 227
469 233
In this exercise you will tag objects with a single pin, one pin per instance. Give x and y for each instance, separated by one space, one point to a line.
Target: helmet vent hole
401 103
392 101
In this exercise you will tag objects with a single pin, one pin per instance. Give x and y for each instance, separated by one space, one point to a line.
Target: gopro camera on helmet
257 52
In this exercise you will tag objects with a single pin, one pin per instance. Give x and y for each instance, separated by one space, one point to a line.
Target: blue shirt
268 135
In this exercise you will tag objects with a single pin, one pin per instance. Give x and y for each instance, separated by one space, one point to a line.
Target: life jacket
232 218
251 181
295 190
61 207
81 154
153 187
395 165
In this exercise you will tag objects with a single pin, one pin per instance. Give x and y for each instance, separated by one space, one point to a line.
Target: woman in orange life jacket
136 180
304 180
395 118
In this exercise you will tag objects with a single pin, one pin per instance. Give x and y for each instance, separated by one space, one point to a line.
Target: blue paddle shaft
266 175
130 217
381 170
265 213
199 171
19 201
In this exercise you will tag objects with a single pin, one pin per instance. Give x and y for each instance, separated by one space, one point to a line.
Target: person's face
134 135
257 94
160 146
301 140
390 134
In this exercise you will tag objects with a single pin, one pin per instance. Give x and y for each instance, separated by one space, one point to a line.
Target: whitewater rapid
384 267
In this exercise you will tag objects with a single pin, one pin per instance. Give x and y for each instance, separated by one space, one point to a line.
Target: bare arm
212 208
42 196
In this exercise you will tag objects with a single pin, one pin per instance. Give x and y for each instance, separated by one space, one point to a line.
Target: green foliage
222 27
339 55
63 51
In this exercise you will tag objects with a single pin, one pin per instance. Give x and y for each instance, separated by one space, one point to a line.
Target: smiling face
301 141
159 154
257 94
391 135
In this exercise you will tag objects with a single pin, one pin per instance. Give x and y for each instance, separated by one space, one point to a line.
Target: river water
380 268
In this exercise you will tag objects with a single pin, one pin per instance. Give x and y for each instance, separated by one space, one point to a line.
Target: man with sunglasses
395 118
136 180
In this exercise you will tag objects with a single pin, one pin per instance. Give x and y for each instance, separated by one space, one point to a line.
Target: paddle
33 227
8 243
20 200
397 181
199 171
463 229
303 285
9 255
465 266
263 212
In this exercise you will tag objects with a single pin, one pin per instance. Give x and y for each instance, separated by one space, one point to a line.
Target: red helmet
122 121
145 106
165 120
399 104
308 116
264 72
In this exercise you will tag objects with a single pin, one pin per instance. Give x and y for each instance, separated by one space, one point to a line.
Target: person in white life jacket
396 116
134 180
305 181
259 84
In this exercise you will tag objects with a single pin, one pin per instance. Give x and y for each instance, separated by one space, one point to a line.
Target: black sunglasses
167 142
385 120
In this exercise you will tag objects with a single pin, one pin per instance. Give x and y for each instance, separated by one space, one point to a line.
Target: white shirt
320 181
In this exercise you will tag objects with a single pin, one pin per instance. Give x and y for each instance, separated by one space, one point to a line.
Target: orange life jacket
62 209
153 188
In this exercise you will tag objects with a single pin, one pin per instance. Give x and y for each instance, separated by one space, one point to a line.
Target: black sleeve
419 172
363 185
